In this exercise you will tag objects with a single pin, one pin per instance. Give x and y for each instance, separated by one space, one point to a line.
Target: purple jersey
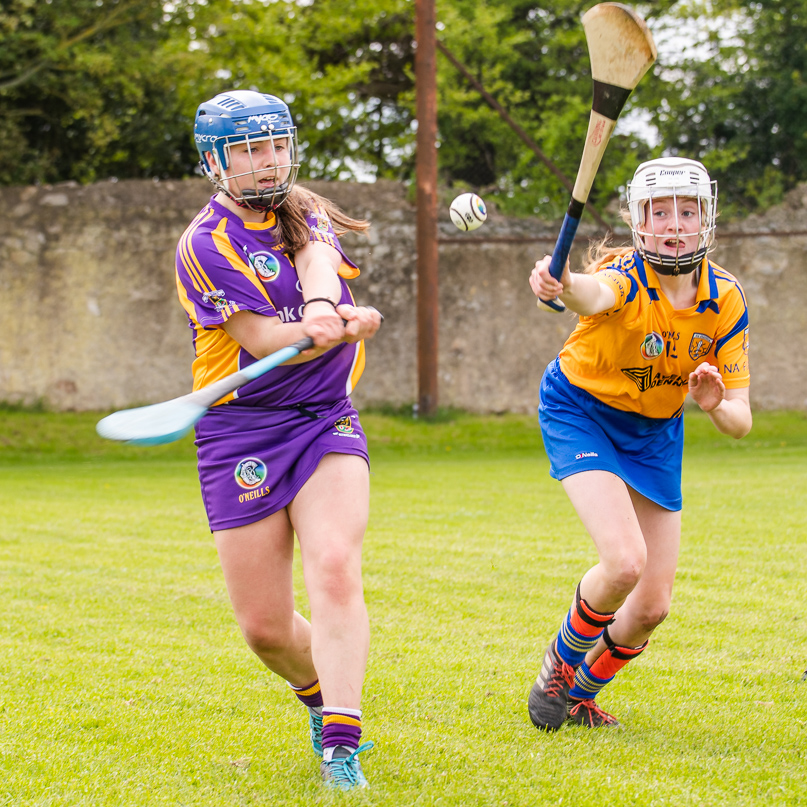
224 265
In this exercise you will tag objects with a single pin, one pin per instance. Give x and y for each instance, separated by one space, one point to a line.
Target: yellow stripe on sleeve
188 258
226 250
347 271
356 369
216 357
184 300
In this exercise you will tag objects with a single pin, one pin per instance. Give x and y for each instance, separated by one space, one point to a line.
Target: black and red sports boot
587 713
549 695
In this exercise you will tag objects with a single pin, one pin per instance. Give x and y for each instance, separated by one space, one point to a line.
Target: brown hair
601 252
295 232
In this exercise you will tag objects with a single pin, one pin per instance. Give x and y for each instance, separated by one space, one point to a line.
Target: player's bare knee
625 571
650 618
340 590
266 638
338 561
336 587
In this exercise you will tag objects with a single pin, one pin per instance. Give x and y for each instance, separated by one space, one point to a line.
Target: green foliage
88 91
124 679
94 89
739 102
534 61
98 88
342 65
121 82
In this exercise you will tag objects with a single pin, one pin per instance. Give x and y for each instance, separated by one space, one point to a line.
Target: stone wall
91 319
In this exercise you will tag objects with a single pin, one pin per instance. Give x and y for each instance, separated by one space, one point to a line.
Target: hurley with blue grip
621 50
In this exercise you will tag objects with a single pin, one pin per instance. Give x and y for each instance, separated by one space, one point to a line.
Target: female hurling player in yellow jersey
657 321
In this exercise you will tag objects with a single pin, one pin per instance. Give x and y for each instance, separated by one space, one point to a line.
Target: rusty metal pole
426 178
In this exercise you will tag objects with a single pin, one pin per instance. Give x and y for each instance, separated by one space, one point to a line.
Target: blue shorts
581 433
253 461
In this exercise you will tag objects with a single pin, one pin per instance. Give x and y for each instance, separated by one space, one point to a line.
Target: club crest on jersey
217 297
250 473
653 346
745 341
344 425
323 223
264 264
699 345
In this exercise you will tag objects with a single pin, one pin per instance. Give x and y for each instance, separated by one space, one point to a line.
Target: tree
351 87
344 67
97 88
738 101
87 90
534 60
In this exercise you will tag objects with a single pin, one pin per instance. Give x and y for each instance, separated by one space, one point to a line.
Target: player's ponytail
603 252
294 230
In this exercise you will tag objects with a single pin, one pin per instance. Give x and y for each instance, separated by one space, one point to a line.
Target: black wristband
320 300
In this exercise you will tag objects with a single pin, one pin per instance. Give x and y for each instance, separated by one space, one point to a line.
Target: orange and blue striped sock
310 695
340 726
588 681
580 630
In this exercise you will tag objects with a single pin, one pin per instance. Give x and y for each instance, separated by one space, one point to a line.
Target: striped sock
588 681
310 695
580 630
340 727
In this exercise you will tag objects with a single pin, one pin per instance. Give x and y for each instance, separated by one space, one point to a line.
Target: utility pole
426 179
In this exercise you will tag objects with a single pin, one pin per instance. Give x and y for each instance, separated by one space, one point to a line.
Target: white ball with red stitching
468 212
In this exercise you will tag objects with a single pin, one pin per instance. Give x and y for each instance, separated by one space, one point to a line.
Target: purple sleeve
322 230
218 281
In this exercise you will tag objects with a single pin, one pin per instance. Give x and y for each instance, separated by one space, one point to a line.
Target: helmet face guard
678 179
245 117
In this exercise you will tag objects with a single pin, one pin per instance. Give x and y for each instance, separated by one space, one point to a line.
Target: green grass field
124 679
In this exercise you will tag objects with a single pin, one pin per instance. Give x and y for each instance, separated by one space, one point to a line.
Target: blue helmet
242 116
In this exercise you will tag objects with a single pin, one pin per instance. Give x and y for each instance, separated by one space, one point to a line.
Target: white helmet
672 177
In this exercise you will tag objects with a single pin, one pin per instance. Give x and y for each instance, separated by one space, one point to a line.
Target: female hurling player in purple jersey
259 268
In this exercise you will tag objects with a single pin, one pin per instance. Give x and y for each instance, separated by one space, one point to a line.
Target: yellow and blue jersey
637 356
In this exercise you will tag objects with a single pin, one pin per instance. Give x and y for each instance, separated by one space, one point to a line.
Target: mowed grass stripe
124 680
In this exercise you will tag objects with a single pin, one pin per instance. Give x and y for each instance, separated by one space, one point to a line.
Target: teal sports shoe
315 725
344 771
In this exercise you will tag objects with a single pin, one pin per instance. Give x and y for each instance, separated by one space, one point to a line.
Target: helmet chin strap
684 265
260 204
252 200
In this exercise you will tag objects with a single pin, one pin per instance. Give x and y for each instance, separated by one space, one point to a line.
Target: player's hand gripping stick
171 420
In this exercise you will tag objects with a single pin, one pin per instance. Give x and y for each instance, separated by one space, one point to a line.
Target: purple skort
253 462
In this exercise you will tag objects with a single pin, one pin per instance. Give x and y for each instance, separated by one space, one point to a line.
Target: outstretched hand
706 386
